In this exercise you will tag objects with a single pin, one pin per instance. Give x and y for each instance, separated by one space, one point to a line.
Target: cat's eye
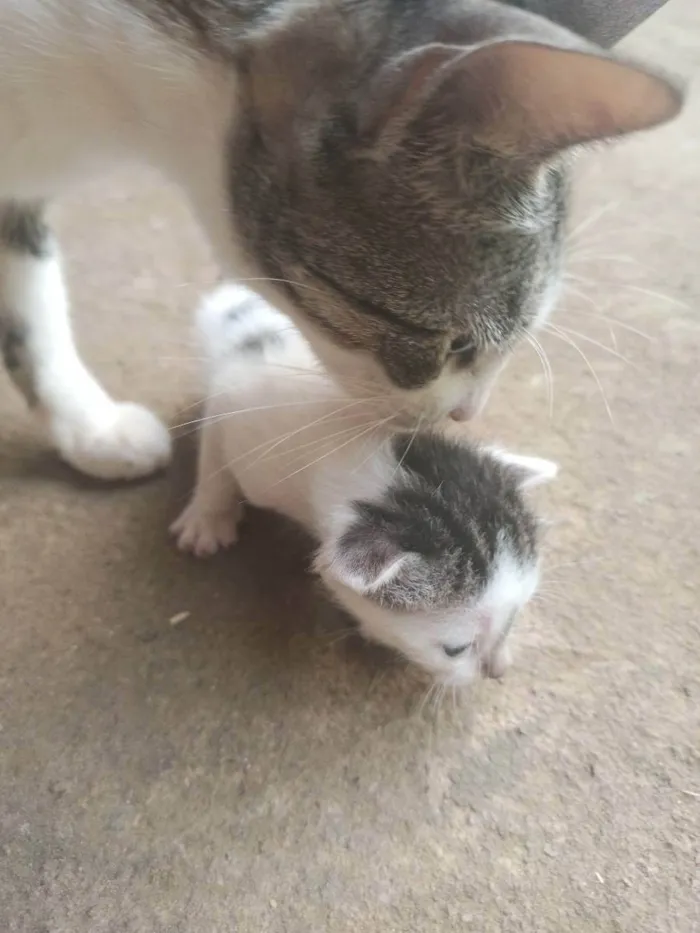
464 348
453 651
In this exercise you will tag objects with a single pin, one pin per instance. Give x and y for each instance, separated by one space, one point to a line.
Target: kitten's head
399 168
439 563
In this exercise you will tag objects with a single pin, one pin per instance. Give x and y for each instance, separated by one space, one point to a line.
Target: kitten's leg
210 521
92 432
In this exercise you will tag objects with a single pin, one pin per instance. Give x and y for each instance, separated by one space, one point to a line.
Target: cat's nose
462 413
467 410
471 406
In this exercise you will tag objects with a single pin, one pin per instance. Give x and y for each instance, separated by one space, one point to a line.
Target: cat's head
399 169
439 563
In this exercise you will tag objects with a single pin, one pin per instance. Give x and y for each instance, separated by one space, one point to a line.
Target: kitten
427 542
390 174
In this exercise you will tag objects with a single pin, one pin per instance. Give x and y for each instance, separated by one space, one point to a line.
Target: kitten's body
428 543
379 164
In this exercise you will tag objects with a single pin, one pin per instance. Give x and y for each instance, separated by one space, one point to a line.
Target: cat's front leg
98 436
211 519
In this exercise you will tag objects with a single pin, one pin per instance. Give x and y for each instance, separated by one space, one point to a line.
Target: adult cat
389 172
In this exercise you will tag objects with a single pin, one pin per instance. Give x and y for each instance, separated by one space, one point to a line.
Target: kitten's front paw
120 441
203 532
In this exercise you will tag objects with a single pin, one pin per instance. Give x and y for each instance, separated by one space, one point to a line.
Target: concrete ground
244 770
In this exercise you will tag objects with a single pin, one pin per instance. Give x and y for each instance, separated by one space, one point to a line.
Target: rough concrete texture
244 770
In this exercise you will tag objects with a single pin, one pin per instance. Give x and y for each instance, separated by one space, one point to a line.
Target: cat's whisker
213 419
610 321
652 293
586 257
180 359
408 446
424 700
593 218
582 562
340 637
279 281
220 416
547 599
320 373
572 343
315 443
440 699
275 443
628 286
373 450
546 369
558 328
279 441
333 451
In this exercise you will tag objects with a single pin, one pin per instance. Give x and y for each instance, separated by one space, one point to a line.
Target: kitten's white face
456 645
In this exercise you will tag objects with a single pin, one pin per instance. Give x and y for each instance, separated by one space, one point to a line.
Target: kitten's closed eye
453 651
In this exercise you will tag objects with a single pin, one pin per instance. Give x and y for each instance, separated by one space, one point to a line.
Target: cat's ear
363 559
520 98
528 471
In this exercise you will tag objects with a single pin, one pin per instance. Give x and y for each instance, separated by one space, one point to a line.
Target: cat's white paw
119 441
203 531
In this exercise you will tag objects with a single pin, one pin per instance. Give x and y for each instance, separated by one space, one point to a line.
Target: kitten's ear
529 471
522 98
363 559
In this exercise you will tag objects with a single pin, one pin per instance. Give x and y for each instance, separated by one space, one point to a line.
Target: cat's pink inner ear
402 88
528 99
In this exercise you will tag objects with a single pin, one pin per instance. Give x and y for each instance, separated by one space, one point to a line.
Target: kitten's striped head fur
441 560
399 167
